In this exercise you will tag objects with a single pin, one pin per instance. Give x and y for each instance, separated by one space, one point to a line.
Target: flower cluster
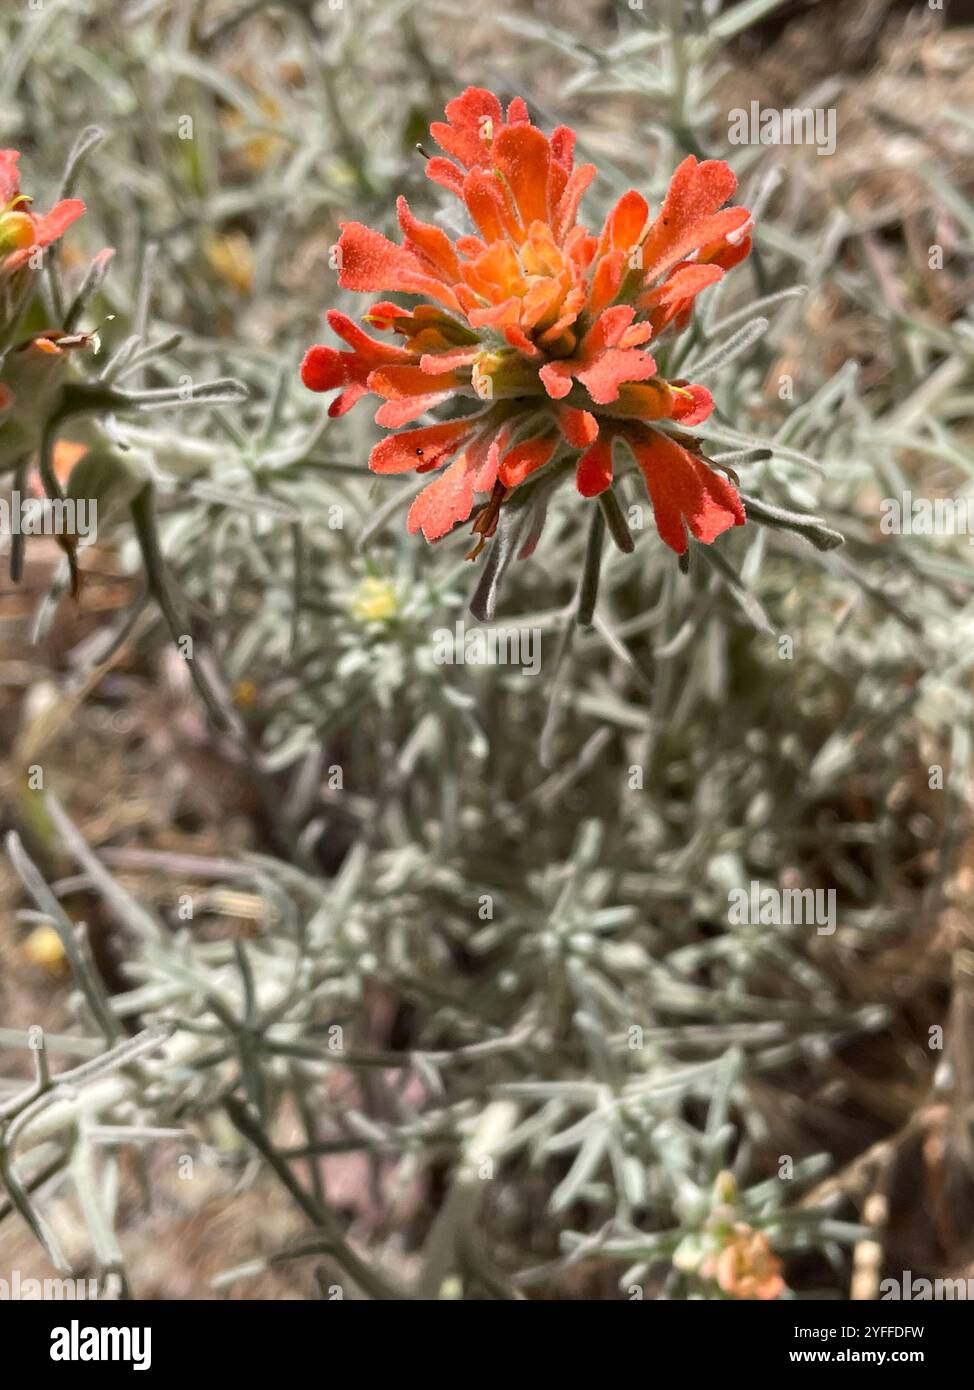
21 231
745 1266
730 1254
533 331
25 372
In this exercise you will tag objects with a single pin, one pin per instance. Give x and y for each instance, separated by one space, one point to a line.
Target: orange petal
436 363
371 262
677 292
521 153
689 218
691 404
579 427
66 454
469 116
526 458
9 180
607 280
371 349
429 244
684 491
567 210
487 206
445 173
322 368
594 472
625 223
612 369
396 413
396 382
556 378
423 449
446 501
47 229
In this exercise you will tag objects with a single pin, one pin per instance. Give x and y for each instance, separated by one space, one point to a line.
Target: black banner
164 1339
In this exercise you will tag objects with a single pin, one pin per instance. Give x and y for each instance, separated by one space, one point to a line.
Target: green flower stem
588 588
615 520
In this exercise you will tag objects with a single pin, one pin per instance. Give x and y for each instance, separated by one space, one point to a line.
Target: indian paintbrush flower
535 329
729 1252
745 1266
22 232
24 236
32 374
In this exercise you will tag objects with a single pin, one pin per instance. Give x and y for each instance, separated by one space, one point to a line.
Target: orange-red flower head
535 329
22 231
745 1266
